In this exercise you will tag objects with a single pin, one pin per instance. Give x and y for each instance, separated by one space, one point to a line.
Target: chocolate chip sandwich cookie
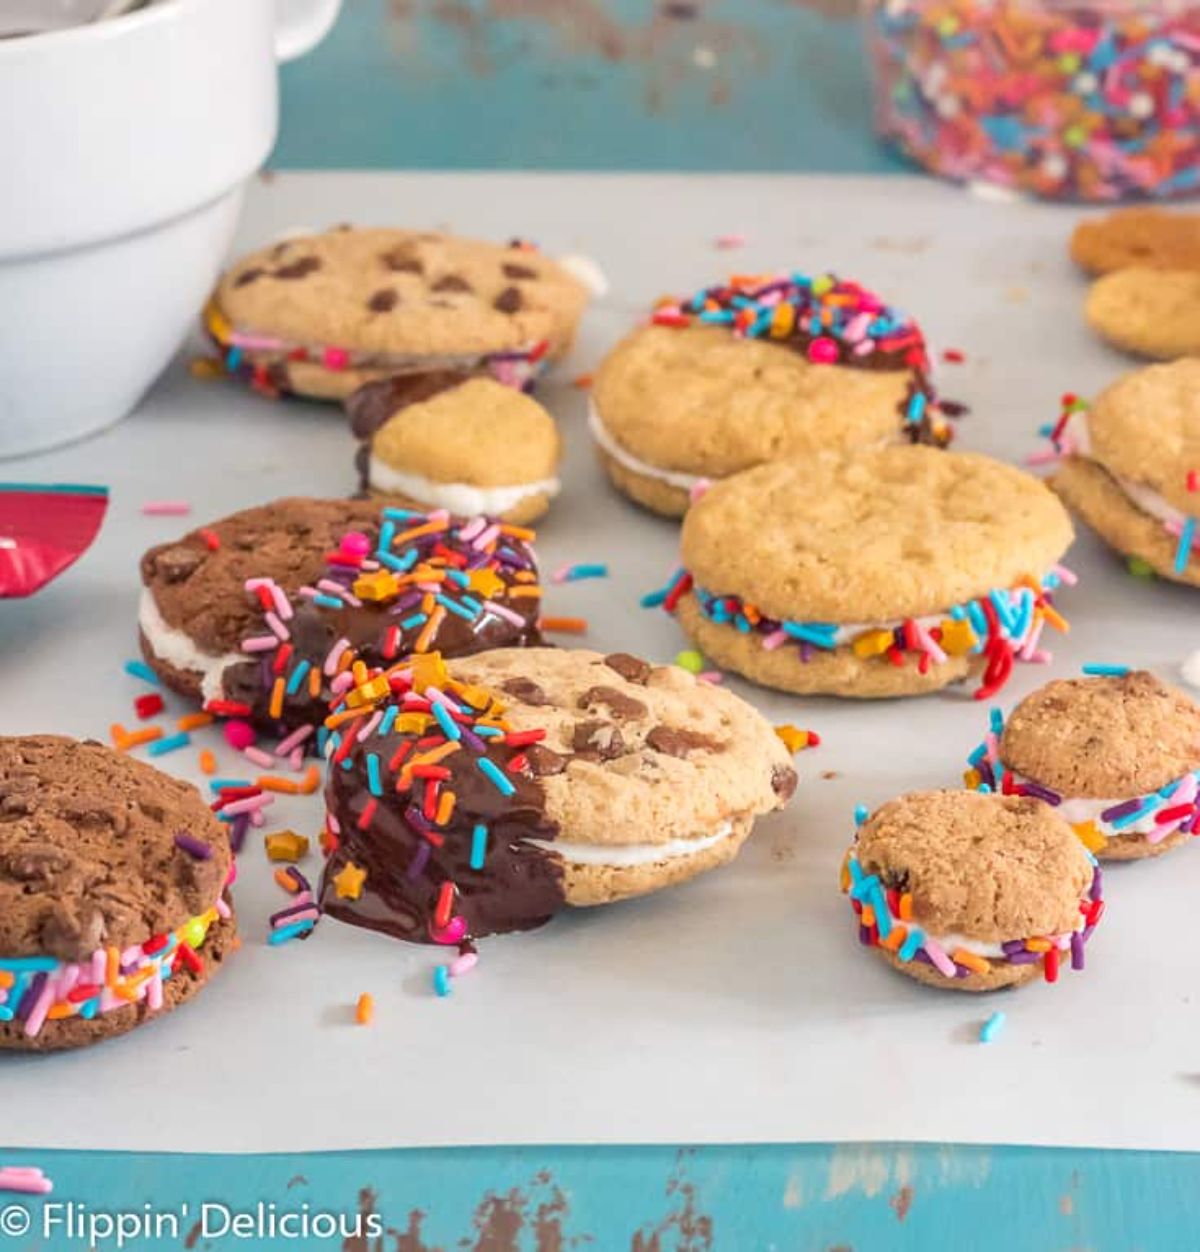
462 442
1130 466
972 892
1116 754
260 615
113 893
485 796
321 315
755 370
893 572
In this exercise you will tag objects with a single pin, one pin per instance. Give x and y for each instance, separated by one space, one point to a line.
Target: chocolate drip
373 404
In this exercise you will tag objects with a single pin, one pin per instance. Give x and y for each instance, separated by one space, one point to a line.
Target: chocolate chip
618 703
509 300
403 262
71 931
631 668
452 282
601 740
672 742
525 690
512 270
544 761
783 782
178 563
249 276
300 268
383 301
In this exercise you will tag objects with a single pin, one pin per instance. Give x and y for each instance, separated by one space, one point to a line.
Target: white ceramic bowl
126 146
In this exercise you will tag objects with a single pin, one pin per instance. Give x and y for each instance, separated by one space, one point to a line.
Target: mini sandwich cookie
1141 236
890 573
1147 312
1116 755
465 443
261 614
753 371
971 891
113 904
323 314
483 797
1130 466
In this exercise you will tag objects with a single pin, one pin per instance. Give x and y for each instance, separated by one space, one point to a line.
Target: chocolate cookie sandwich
755 370
1130 467
465 443
320 315
972 892
260 615
113 893
893 572
484 796
1116 754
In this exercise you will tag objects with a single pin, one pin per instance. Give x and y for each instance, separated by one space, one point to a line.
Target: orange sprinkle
434 755
582 381
287 882
906 906
1037 945
429 528
445 808
1055 618
6 979
117 732
311 780
193 721
139 737
868 916
977 964
57 1012
518 532
564 625
334 720
364 1011
112 967
896 936
275 708
425 638
272 782
314 682
208 762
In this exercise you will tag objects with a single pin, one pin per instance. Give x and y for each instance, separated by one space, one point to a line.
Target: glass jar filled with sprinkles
1063 100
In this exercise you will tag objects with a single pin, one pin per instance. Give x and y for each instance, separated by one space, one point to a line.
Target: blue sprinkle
1183 553
478 846
984 789
1106 671
996 720
489 732
284 933
911 945
92 1007
916 407
417 619
502 784
454 607
860 814
29 964
6 1015
978 755
322 739
864 886
139 669
219 784
652 599
389 720
298 675
387 532
160 747
441 980
374 783
401 515
451 728
233 359
328 602
991 1028
883 915
578 572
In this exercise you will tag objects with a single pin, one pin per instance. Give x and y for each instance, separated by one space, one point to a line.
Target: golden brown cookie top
992 868
889 533
697 400
480 432
634 753
401 291
89 856
1142 236
1145 427
1107 737
1148 312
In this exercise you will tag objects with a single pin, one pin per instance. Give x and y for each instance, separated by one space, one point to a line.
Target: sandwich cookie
484 795
893 572
113 893
970 891
756 370
321 315
1116 755
261 614
1147 312
1137 237
465 443
1130 466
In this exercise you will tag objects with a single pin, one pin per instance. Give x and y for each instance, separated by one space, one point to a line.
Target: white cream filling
629 855
952 941
600 433
461 498
1076 810
178 649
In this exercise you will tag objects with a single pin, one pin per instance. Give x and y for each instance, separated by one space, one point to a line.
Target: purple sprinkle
1013 945
961 971
922 956
987 774
1025 958
30 998
192 846
405 602
416 819
298 878
1077 950
1097 884
1087 933
473 741
1120 810
416 867
237 832
1041 793
806 651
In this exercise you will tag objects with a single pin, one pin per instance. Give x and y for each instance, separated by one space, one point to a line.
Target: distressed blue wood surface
583 84
796 1199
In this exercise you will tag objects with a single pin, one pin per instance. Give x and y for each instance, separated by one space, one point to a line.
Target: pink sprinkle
296 761
335 358
698 489
472 528
249 804
239 734
166 508
283 606
776 639
356 543
259 757
504 611
711 676
451 933
260 643
463 964
937 955
1067 577
277 627
489 536
335 655
341 683
727 243
822 351
293 740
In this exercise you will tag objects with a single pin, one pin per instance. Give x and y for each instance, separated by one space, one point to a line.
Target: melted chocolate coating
519 886
373 404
